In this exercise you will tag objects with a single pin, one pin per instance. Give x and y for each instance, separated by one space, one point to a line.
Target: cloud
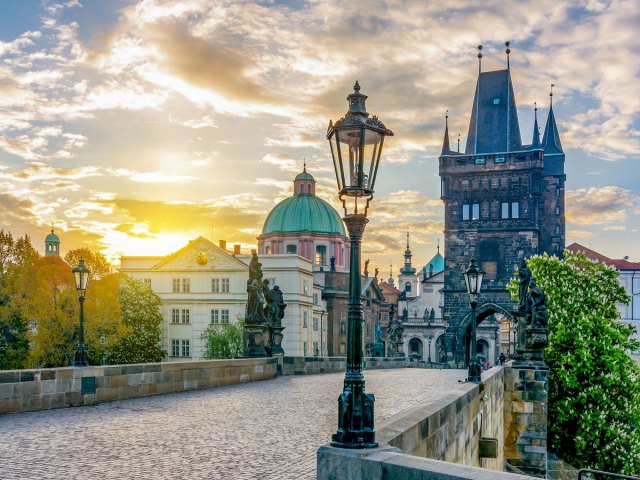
599 206
150 177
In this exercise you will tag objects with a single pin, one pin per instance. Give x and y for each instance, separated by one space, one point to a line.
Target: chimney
222 244
236 249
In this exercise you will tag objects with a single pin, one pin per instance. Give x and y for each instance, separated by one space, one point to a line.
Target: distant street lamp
430 337
81 277
473 280
356 142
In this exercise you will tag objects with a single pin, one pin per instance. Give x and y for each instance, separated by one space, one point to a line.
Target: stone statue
432 315
332 261
375 274
378 332
394 335
279 305
524 278
269 306
366 268
539 314
425 316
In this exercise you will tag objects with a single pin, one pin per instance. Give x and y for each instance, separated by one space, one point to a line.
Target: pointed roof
535 141
551 139
408 269
446 149
494 123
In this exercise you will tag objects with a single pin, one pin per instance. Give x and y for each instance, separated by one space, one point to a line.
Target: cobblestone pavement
260 430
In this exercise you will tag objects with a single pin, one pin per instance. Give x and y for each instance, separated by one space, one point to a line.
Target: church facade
503 200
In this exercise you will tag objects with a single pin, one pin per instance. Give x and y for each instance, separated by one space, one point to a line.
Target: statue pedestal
377 349
276 340
531 342
257 342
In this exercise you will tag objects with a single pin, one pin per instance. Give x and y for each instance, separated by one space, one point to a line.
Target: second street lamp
356 146
81 277
473 281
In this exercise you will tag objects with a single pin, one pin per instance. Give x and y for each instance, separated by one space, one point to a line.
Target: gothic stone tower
504 201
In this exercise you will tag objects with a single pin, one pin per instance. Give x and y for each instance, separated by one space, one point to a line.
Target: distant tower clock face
202 258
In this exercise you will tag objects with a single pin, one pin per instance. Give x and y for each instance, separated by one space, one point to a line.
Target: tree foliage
223 340
16 257
594 385
94 261
139 338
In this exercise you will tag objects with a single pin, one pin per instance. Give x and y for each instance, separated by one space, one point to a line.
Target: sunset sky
135 126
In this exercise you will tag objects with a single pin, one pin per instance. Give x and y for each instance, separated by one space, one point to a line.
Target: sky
135 126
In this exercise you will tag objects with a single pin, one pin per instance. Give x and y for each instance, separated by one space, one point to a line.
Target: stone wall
312 365
446 431
450 427
41 389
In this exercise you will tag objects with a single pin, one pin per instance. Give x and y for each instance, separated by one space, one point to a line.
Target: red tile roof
617 263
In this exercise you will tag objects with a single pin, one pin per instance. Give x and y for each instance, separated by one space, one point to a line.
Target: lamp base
355 419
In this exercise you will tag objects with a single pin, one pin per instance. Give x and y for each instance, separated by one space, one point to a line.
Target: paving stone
258 430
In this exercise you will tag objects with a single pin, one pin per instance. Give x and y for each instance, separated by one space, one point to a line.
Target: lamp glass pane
360 157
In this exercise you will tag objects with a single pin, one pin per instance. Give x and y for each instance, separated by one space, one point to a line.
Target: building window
186 285
316 350
304 319
343 328
321 255
147 282
304 345
225 285
499 160
505 210
292 249
267 249
305 287
215 316
475 211
510 210
557 229
557 210
407 287
176 285
185 348
185 315
315 299
515 209
557 192
175 348
33 325
465 212
215 285
480 161
315 323
175 315
224 316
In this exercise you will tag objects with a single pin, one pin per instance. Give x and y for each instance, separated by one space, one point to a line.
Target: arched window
407 287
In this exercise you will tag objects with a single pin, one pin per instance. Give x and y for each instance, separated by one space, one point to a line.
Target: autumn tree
223 340
94 261
139 338
16 257
594 385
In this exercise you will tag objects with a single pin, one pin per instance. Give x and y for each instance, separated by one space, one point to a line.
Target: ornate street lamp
356 146
81 277
473 280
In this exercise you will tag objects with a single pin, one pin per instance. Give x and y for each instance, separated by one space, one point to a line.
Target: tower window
480 161
292 249
496 101
499 160
510 210
407 287
515 209
557 210
465 212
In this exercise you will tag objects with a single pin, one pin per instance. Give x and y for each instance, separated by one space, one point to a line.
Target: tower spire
535 141
479 58
507 51
551 95
438 245
551 138
446 149
458 143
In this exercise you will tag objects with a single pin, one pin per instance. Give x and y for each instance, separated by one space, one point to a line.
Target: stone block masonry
42 389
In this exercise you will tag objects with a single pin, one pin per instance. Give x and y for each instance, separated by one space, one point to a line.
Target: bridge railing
589 474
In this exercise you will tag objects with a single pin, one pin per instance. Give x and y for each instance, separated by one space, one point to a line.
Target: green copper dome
52 238
303 213
303 176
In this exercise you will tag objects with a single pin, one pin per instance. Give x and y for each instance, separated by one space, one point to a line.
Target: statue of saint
432 315
378 332
366 268
524 278
255 292
279 305
539 314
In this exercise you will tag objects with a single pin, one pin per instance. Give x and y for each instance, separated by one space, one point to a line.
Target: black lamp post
81 277
356 145
473 280
430 337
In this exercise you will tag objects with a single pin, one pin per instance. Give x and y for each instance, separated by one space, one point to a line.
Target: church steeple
52 245
408 269
446 149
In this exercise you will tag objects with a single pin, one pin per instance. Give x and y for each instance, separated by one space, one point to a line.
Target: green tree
139 338
223 340
594 385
